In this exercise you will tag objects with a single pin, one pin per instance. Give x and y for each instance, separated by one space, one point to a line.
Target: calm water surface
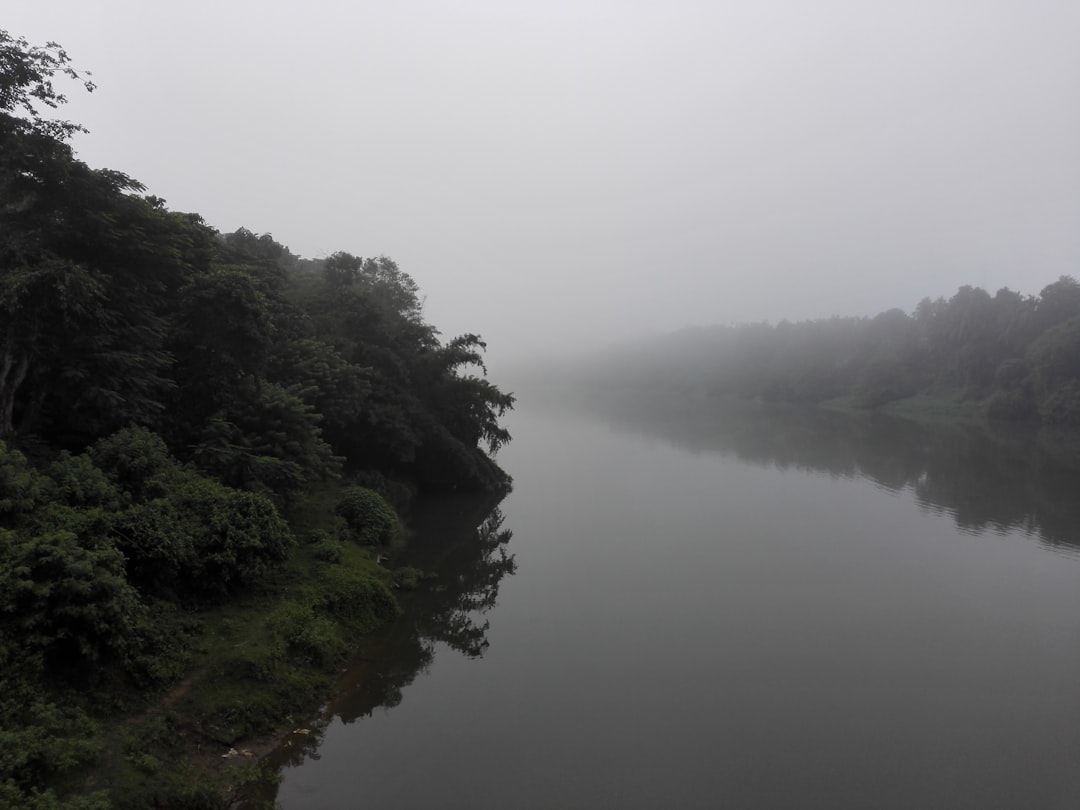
748 609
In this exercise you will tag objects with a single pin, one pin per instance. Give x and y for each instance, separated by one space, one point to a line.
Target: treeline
1018 356
263 370
166 391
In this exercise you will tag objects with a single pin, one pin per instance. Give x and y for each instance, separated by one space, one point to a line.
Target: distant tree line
1017 356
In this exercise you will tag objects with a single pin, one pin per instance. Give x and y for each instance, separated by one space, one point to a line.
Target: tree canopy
264 370
166 391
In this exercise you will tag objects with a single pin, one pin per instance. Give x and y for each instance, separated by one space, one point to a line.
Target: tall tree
86 268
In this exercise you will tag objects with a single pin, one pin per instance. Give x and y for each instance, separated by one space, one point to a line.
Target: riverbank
254 668
461 540
944 405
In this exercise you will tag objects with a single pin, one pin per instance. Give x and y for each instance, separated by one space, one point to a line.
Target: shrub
157 541
307 635
398 494
357 597
70 603
40 741
78 482
138 461
237 536
22 487
371 520
326 547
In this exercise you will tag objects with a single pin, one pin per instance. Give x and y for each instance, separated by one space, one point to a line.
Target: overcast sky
561 172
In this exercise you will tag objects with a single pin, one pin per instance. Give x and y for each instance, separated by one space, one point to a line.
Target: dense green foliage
266 370
370 519
166 393
1017 355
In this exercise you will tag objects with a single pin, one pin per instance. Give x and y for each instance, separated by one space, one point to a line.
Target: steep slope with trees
169 395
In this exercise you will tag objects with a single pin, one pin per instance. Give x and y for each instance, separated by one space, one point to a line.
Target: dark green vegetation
1013 356
203 439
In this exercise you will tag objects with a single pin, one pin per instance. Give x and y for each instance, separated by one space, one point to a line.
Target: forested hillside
1016 356
169 395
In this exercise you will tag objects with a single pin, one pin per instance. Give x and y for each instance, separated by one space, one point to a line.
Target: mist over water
682 604
754 607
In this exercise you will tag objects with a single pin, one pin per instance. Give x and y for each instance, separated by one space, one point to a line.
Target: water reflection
989 478
689 632
462 540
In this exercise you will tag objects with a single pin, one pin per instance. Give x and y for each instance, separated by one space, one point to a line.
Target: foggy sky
561 173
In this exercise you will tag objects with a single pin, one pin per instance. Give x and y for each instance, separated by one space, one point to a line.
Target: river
742 607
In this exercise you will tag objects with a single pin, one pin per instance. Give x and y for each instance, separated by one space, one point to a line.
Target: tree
87 273
26 83
224 330
468 405
1058 302
1054 360
324 380
389 287
264 439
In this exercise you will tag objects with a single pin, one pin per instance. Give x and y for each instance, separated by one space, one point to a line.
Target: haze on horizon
563 174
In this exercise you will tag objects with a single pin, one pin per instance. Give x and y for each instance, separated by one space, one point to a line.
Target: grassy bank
944 405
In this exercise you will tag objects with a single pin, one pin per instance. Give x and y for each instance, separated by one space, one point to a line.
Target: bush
41 741
157 541
307 635
70 603
163 633
398 494
357 597
203 538
138 461
78 482
22 488
371 520
237 536
326 547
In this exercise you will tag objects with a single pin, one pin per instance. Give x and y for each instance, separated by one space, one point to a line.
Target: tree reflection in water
461 541
995 477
